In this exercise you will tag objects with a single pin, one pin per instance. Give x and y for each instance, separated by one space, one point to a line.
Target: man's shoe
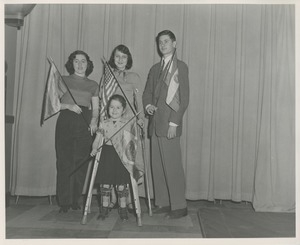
176 214
161 210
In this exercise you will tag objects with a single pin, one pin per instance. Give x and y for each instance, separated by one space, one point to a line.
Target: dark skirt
110 169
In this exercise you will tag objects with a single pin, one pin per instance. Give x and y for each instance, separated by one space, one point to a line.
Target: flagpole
51 61
98 149
133 110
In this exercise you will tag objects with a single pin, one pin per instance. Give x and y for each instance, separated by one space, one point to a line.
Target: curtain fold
275 169
238 137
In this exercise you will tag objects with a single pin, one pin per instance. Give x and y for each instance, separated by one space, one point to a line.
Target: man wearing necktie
165 98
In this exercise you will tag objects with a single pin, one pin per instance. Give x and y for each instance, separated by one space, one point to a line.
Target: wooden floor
34 217
228 219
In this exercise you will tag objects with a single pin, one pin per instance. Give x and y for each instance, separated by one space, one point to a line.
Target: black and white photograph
150 121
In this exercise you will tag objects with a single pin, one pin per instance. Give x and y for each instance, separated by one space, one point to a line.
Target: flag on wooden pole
109 86
54 90
173 99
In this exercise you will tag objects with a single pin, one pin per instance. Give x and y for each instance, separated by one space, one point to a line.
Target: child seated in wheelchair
117 160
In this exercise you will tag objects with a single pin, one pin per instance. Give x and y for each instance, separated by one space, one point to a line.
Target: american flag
109 87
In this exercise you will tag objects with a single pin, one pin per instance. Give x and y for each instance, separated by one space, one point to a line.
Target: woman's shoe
64 209
103 213
75 206
123 214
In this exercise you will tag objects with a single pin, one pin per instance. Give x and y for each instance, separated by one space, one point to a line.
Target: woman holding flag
76 124
128 84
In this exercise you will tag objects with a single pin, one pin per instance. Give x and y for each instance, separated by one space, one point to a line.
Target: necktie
161 68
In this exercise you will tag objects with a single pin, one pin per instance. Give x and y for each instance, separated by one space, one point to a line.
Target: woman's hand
94 152
140 122
93 126
74 108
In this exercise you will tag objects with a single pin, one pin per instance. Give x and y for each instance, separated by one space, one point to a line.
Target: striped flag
109 86
173 99
55 88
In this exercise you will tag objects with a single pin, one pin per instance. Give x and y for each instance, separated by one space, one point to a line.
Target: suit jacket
155 93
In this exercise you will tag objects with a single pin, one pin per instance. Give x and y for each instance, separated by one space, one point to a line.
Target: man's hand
151 109
171 132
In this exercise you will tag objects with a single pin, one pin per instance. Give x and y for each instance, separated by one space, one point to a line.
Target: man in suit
165 98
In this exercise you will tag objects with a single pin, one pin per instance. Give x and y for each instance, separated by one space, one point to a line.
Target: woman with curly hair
76 124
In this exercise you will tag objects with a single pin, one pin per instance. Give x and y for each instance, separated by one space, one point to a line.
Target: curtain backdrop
239 130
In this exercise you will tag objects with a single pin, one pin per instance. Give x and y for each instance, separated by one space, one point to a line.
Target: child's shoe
103 213
123 214
112 205
130 208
